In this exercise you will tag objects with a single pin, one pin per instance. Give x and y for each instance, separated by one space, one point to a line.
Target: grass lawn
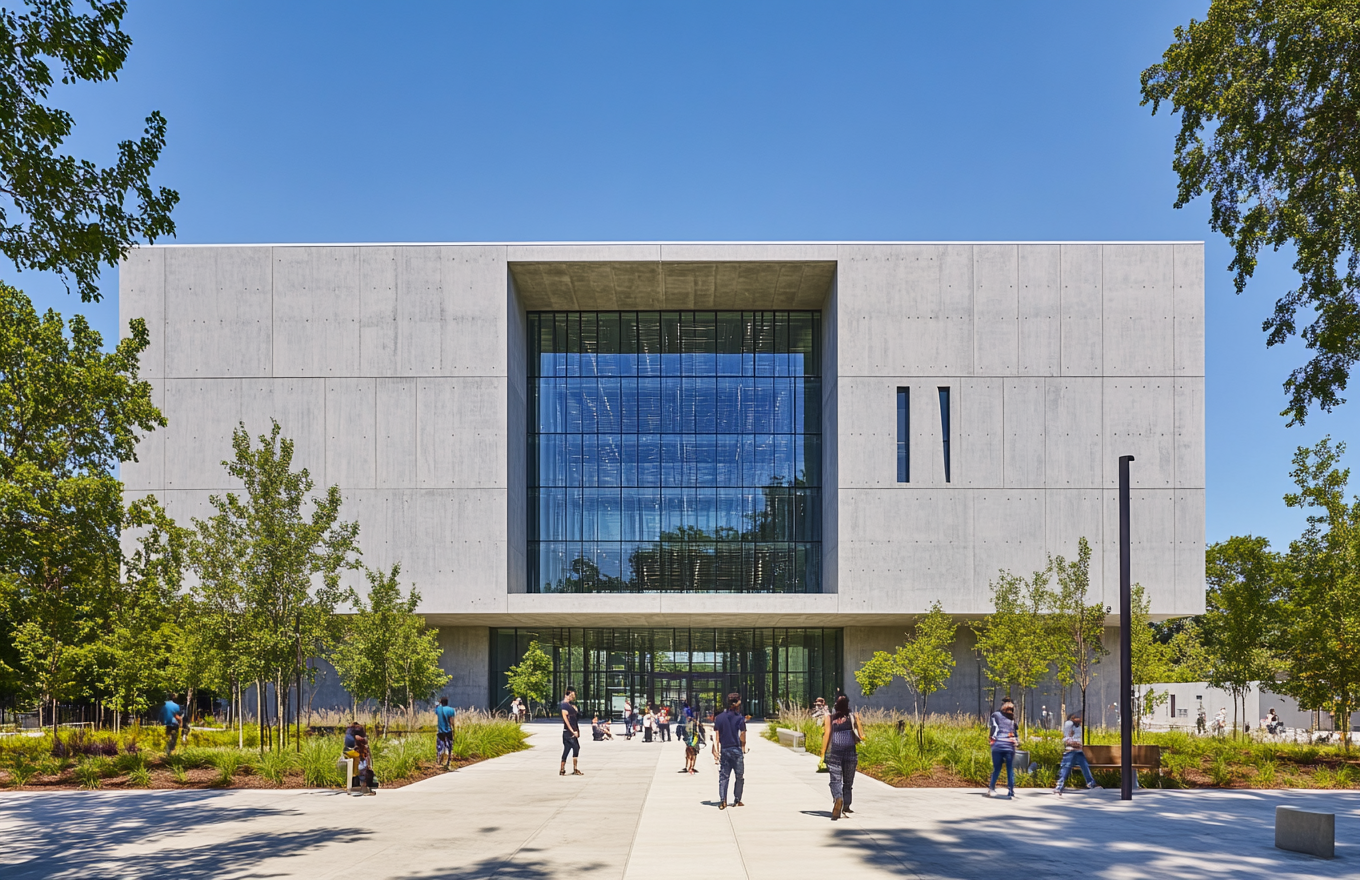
957 755
135 758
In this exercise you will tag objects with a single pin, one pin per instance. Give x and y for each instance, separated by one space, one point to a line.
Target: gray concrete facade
399 370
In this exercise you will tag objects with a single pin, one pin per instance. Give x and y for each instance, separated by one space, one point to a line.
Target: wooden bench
1108 758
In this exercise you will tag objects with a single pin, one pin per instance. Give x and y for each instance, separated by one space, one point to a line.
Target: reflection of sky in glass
675 451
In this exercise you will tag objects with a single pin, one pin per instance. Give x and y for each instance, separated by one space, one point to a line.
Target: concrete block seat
791 739
1109 758
1305 831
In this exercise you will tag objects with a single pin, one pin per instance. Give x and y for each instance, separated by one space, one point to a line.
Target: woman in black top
842 732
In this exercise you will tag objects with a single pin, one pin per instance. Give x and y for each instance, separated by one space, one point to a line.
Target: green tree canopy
1269 110
1017 639
69 412
530 678
1078 623
1243 576
59 213
1318 644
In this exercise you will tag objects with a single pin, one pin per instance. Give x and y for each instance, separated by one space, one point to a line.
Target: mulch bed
205 779
938 777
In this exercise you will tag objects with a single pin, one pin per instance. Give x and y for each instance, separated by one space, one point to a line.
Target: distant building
694 468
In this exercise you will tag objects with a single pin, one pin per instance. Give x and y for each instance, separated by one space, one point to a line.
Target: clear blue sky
315 122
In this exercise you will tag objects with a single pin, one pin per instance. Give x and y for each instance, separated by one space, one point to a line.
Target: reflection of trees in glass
703 561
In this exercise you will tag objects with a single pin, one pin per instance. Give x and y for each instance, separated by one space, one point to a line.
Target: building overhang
569 285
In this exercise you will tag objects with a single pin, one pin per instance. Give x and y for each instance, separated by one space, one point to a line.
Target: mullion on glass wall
675 451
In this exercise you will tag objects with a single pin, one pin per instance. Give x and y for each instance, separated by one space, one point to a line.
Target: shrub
227 762
89 773
276 765
319 756
140 777
21 770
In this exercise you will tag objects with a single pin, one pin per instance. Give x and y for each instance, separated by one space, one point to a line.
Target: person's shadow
821 814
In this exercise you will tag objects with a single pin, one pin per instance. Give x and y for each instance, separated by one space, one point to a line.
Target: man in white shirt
1073 754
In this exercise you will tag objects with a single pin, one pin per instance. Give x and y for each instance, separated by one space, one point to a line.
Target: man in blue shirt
729 744
443 739
172 716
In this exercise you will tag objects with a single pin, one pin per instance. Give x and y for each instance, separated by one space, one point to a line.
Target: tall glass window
904 435
675 452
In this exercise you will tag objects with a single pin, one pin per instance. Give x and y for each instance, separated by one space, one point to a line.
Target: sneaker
836 809
722 805
738 804
1010 795
847 811
1093 787
991 792
1058 792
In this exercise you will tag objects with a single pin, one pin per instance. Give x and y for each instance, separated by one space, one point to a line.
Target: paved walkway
634 816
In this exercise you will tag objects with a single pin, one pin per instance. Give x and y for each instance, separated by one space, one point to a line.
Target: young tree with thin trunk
531 677
1016 639
1078 623
923 662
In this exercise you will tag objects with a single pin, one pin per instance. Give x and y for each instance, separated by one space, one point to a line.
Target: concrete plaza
634 816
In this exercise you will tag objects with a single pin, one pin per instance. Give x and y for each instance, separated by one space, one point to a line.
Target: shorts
570 745
443 742
691 751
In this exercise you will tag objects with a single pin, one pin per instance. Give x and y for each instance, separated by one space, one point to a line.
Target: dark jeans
570 745
842 765
1003 756
665 733
1074 758
733 761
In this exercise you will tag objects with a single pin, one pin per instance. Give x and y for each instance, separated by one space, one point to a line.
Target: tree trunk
259 713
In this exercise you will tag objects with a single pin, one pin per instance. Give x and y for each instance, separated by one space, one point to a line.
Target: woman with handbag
839 738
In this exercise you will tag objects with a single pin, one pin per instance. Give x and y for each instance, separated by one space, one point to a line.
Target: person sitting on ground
356 746
599 730
819 711
1273 723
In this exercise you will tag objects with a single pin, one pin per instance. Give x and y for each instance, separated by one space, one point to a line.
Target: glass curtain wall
607 666
675 452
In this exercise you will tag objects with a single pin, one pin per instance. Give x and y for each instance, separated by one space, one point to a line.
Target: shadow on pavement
519 867
74 834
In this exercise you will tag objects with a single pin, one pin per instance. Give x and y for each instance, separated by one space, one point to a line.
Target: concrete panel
378 311
467 659
351 433
908 549
1069 516
996 310
869 448
1189 440
141 294
218 304
1039 273
147 470
202 413
420 301
1190 541
907 308
1024 455
460 432
1082 331
316 311
299 406
1138 324
1074 432
396 433
1009 534
1140 420
582 253
981 431
474 331
927 433
1152 545
1188 263
747 252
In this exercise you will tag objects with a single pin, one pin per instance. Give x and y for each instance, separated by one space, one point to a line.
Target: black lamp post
1125 639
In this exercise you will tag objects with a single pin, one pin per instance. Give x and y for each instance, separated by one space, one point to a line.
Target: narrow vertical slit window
944 428
904 435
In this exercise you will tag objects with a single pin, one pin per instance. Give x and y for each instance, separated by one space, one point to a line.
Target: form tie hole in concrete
1304 831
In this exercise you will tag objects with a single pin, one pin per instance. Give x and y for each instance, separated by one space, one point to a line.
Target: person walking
664 723
694 740
172 716
1074 754
628 719
729 746
1004 737
444 728
841 733
682 721
571 734
648 722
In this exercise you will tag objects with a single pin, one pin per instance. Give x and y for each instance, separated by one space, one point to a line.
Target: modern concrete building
696 467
